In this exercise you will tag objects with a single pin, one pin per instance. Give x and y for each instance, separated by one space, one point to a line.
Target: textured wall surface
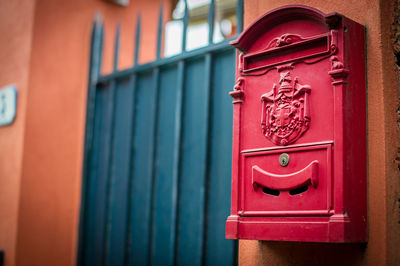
45 52
383 178
15 47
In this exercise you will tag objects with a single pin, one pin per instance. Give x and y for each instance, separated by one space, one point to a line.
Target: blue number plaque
8 105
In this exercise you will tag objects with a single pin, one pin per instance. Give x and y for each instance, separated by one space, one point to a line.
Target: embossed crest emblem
285 110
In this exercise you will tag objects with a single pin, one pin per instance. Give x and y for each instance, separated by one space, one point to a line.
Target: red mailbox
299 137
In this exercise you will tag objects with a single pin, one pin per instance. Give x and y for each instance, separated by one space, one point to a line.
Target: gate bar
210 20
116 47
239 17
165 61
159 31
208 78
185 24
177 156
153 156
96 55
137 40
128 238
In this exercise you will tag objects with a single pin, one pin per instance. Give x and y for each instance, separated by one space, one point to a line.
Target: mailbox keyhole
284 159
270 191
299 190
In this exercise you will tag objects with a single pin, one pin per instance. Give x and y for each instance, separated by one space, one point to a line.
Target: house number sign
8 105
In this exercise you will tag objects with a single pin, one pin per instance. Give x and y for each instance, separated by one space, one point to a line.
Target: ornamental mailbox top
299 140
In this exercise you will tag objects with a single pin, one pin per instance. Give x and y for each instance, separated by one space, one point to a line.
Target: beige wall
383 179
15 47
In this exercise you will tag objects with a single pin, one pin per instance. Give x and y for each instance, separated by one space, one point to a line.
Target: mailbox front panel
299 140
302 187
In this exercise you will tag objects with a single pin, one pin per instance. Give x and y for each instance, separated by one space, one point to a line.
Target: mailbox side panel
355 145
237 95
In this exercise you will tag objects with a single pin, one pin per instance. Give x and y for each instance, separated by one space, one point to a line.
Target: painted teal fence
156 178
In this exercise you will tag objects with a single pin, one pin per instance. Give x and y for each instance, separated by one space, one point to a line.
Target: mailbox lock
284 159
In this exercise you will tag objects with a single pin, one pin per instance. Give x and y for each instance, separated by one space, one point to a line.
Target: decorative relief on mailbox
285 110
285 39
289 49
336 64
237 93
306 176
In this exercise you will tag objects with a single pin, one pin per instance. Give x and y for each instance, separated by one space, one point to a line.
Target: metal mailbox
299 136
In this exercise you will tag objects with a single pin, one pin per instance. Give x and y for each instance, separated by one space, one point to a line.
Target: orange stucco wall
15 47
44 50
383 176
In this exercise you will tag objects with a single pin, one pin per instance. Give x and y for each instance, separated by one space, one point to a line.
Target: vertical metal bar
159 31
207 78
137 39
96 48
130 184
95 69
120 173
153 159
116 47
109 150
142 171
210 19
177 156
96 55
239 16
219 250
185 25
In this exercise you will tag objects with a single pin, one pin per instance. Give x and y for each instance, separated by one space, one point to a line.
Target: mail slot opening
271 191
299 190
306 48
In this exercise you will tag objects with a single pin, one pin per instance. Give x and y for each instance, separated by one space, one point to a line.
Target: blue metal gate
158 157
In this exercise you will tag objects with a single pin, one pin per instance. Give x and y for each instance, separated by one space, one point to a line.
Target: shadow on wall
291 253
